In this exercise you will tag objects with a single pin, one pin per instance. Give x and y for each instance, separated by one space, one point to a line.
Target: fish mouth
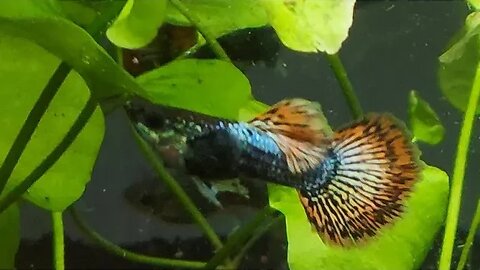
136 109
144 118
140 110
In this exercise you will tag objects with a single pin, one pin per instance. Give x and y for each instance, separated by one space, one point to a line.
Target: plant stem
458 174
347 88
131 256
239 237
57 152
216 48
262 229
179 192
189 52
119 52
58 241
471 236
31 123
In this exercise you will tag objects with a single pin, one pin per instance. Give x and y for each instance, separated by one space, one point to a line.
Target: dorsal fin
297 119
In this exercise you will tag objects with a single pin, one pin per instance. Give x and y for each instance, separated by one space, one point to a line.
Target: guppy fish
352 182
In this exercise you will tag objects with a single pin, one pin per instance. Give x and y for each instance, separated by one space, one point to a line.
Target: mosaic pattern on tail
374 168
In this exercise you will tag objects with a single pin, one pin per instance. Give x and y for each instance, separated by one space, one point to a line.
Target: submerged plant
54 120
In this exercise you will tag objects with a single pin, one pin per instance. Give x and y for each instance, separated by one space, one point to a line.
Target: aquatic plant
53 121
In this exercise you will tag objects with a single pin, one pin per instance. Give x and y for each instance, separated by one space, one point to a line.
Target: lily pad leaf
221 17
474 3
459 64
43 23
211 87
424 122
311 25
138 23
396 248
65 181
251 109
10 232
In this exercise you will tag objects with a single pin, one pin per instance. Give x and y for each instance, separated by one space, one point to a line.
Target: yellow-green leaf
138 23
459 63
211 87
474 3
43 23
311 25
251 109
424 122
221 17
24 71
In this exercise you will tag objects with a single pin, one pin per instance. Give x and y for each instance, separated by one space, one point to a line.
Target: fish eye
153 121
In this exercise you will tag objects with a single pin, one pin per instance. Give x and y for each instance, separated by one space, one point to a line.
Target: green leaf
399 247
221 17
459 64
10 234
474 3
424 122
138 23
24 71
251 109
43 23
211 87
84 12
311 25
78 12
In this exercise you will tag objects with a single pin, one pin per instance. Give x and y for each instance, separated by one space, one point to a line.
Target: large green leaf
311 25
251 109
211 87
402 246
221 17
138 23
10 235
24 71
424 122
43 23
475 4
459 64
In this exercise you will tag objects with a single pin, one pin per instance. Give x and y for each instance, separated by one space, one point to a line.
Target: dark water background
392 48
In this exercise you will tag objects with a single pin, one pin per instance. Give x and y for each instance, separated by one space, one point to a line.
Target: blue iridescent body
258 155
220 148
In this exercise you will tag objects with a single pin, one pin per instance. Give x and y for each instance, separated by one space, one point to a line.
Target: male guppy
351 182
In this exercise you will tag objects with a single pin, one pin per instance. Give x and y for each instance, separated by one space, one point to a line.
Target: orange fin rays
376 167
300 156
